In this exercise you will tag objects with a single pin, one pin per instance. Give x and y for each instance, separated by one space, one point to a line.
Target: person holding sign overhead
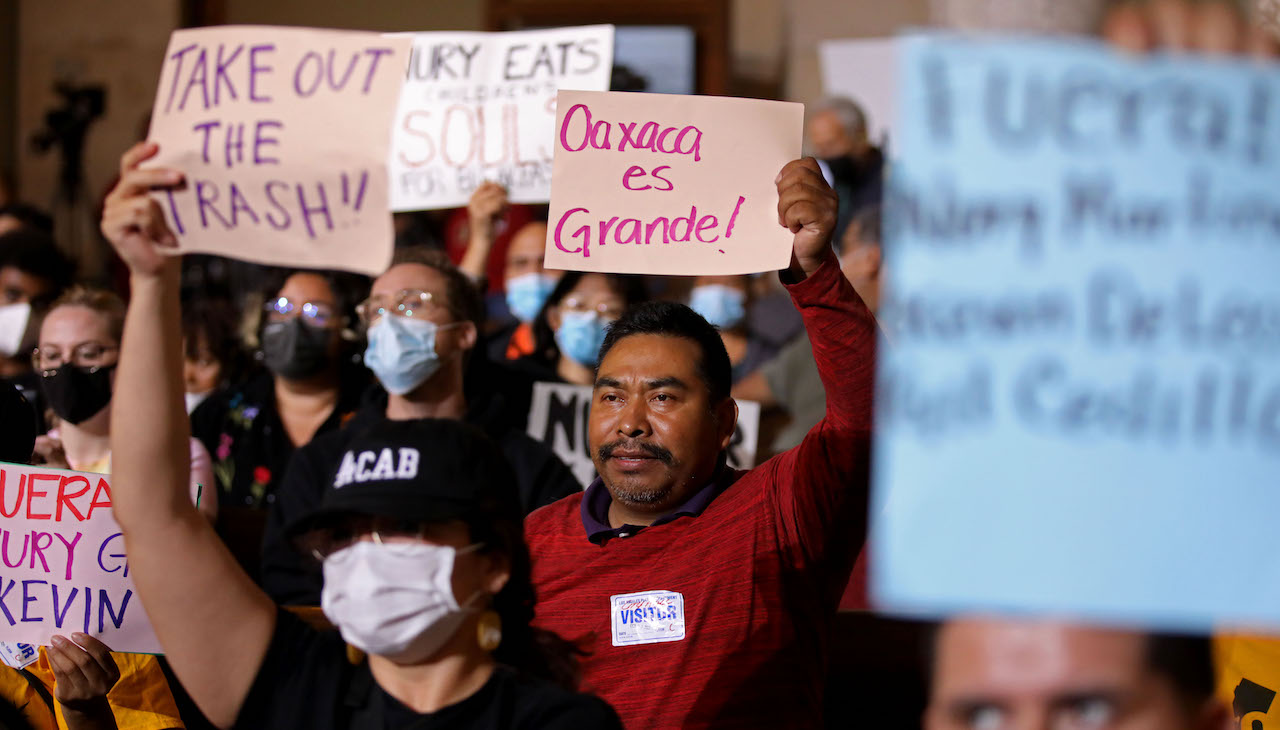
705 595
420 536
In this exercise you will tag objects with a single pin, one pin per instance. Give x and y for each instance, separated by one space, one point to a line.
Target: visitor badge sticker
17 655
648 617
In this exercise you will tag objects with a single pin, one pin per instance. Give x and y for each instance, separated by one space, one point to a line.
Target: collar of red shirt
596 501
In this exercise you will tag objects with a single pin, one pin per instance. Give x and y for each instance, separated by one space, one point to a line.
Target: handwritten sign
64 567
559 414
668 184
1080 410
482 106
283 136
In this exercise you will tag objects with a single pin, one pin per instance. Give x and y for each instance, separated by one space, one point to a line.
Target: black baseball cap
426 470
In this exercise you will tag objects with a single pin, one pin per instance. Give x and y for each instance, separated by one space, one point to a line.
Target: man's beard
634 493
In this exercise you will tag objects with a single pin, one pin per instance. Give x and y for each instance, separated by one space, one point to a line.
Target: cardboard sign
482 106
866 71
658 184
1080 410
63 563
282 134
559 415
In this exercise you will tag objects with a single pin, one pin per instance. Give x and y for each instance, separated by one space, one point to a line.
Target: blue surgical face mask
527 293
402 352
580 336
722 306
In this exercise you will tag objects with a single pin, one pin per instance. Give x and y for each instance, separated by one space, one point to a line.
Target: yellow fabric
101 466
1242 662
141 700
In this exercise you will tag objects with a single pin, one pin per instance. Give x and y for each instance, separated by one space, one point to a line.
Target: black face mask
77 394
843 168
295 350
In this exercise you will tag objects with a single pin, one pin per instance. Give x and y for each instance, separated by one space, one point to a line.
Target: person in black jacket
422 318
837 133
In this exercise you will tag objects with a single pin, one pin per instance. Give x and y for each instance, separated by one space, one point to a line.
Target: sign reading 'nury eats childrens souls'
669 184
282 135
482 106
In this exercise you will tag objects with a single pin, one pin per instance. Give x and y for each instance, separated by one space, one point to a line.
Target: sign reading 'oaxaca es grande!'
283 136
669 184
1079 410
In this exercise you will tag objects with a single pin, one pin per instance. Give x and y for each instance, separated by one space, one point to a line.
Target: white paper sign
482 106
865 70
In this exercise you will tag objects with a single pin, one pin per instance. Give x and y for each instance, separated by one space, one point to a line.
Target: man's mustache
658 452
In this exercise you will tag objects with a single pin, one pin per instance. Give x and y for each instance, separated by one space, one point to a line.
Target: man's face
655 435
828 137
527 250
1007 675
401 278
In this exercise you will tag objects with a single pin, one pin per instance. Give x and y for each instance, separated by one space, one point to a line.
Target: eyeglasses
283 308
405 303
326 541
608 311
88 355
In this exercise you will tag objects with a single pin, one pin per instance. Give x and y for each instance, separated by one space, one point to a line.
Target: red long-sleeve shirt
760 569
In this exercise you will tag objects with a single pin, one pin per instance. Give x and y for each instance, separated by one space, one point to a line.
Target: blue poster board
1079 398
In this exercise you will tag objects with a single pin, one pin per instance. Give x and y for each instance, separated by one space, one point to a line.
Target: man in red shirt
705 595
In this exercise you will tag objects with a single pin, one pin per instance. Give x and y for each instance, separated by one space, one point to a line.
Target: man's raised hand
807 206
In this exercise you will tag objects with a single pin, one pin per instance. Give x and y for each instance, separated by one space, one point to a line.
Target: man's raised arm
213 622
823 482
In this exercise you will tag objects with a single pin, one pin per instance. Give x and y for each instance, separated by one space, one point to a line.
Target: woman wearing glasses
421 321
76 359
570 328
311 386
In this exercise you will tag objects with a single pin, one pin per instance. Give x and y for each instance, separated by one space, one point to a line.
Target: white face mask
13 325
394 600
195 399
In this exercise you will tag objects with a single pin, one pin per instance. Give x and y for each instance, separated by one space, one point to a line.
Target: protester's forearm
475 261
150 437
842 332
804 266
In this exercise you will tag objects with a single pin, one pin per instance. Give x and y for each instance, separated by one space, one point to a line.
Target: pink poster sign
669 184
62 562
283 135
